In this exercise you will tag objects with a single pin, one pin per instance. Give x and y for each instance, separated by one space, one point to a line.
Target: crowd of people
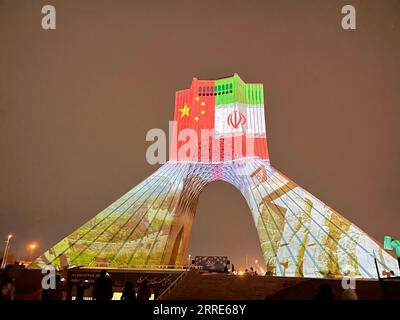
251 271
103 289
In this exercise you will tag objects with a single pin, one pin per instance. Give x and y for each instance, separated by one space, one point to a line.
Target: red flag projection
150 225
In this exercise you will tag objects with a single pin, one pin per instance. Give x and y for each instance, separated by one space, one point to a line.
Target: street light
6 249
32 247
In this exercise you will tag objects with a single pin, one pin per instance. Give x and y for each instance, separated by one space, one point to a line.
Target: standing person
8 291
4 280
156 292
8 288
103 287
228 266
144 292
129 293
54 294
57 293
324 293
80 290
349 294
233 268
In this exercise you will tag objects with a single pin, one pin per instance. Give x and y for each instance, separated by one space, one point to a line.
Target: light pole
4 262
259 267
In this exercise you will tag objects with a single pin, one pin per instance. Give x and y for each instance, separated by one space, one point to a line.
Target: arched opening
224 226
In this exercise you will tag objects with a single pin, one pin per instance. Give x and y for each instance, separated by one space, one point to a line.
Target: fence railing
133 267
174 283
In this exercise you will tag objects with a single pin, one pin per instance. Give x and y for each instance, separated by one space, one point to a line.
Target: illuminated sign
211 263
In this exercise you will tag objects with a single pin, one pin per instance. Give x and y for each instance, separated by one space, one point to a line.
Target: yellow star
184 111
203 112
203 104
196 118
197 98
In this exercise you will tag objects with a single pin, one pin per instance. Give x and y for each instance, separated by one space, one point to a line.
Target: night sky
76 103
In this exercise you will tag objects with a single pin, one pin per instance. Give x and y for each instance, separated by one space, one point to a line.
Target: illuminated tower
219 134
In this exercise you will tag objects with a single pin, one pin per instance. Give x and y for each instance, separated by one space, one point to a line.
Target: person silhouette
144 292
103 287
324 293
57 293
80 290
7 286
349 294
129 293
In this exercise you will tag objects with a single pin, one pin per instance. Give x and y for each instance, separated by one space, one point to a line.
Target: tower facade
219 134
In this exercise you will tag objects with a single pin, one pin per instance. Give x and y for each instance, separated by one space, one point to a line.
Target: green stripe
224 91
234 90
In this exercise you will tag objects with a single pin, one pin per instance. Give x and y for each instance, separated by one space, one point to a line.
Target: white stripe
255 121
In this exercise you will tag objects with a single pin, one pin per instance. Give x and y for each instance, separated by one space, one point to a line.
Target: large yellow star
184 111
203 112
203 104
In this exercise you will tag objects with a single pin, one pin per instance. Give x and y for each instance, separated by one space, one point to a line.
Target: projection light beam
151 224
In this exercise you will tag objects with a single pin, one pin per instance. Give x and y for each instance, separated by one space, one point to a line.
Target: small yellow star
197 98
196 118
203 104
184 111
203 112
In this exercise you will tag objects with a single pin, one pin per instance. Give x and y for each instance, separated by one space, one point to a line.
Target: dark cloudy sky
76 103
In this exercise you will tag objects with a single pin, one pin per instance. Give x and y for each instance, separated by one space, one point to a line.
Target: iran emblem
235 119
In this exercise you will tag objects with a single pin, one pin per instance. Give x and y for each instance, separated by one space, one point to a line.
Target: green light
390 244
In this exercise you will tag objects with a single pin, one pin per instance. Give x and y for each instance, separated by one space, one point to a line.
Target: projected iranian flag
218 121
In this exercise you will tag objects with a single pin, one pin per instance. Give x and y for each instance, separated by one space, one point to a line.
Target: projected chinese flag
218 121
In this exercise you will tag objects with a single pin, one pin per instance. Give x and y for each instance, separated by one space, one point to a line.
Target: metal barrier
140 267
173 284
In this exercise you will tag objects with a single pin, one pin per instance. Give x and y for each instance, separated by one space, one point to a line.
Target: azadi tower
150 225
